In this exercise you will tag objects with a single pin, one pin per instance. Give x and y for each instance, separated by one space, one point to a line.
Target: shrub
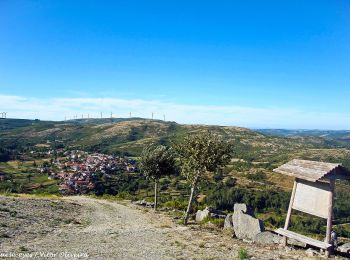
242 254
259 176
176 204
216 221
125 195
231 182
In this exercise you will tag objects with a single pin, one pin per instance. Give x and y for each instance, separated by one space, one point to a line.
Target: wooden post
330 217
289 213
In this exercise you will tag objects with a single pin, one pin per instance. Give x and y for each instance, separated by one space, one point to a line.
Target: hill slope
131 135
253 151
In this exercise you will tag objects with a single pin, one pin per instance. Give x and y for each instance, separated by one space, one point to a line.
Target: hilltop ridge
128 136
107 134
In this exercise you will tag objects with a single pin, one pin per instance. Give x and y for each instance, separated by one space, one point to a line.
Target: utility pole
152 115
101 115
130 114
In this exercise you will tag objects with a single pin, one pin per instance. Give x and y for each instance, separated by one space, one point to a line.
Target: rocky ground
82 227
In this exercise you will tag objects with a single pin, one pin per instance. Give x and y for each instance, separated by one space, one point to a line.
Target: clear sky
250 63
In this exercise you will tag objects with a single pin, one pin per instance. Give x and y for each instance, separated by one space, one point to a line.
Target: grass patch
179 244
242 254
175 204
216 221
202 244
23 249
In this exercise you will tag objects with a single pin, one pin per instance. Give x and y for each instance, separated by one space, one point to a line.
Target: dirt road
110 230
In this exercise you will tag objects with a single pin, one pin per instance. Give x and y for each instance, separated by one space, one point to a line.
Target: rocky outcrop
267 238
202 214
144 203
270 238
208 212
345 248
228 224
245 225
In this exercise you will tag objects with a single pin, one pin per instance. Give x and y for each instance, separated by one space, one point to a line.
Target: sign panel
312 198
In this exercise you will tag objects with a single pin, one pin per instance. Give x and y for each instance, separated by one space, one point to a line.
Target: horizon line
170 121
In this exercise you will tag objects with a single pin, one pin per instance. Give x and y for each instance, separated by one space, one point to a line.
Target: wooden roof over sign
314 171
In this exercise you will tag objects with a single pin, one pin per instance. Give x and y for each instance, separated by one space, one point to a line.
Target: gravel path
113 231
110 230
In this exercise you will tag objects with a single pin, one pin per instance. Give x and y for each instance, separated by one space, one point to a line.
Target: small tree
201 153
157 161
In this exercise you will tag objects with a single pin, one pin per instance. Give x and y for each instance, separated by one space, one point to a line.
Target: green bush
216 221
242 254
259 176
176 204
231 182
125 196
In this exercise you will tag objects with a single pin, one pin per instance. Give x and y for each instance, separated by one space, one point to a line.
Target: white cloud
59 108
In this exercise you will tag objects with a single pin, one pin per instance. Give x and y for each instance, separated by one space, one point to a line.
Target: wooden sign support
330 217
313 193
289 213
302 189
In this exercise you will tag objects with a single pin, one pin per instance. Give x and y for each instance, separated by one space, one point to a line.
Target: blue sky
262 63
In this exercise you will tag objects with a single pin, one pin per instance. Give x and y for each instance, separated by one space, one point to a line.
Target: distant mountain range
336 135
129 136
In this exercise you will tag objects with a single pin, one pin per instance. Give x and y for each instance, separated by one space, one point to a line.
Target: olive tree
200 154
156 162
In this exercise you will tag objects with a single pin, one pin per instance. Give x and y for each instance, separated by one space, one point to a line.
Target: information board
312 198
